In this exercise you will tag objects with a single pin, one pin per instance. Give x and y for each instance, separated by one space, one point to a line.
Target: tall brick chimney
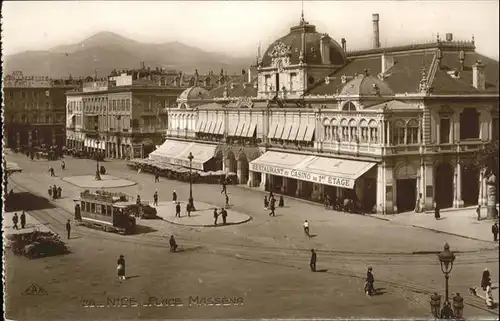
376 35
478 78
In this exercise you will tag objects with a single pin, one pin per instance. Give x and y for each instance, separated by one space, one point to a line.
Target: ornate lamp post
97 173
446 258
191 201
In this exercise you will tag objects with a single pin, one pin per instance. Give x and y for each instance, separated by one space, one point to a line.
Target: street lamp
97 174
446 258
191 201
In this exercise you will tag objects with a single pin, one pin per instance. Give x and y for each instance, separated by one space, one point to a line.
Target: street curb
89 187
210 225
307 202
454 234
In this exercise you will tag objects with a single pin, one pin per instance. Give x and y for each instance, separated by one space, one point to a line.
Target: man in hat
174 197
23 220
155 198
494 230
68 228
227 201
224 215
173 244
313 261
15 220
216 216
188 209
478 212
178 210
157 177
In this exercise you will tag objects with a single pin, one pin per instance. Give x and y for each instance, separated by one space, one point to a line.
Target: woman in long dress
121 268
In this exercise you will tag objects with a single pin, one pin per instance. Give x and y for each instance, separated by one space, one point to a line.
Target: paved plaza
106 181
264 261
202 217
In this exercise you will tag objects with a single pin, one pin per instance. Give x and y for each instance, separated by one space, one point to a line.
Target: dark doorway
291 186
148 148
370 194
470 185
244 168
406 194
275 184
231 163
444 185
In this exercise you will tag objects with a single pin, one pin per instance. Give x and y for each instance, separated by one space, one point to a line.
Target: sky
237 27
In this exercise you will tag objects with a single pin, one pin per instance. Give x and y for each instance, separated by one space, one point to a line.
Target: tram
106 211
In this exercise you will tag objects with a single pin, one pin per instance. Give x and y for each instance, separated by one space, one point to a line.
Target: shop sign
303 175
185 163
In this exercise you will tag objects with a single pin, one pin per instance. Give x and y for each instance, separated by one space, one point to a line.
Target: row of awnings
211 127
244 129
291 132
177 153
92 143
322 170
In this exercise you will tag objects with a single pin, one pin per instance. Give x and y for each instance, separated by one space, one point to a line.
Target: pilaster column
458 202
381 208
298 191
251 178
263 181
482 189
390 193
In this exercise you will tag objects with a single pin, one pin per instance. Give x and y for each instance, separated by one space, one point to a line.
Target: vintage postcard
250 160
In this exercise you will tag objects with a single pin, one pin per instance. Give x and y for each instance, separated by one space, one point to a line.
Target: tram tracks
280 256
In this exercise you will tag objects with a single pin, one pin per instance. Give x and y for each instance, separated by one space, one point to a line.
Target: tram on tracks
106 211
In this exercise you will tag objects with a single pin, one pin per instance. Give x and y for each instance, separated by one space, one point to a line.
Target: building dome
193 93
292 46
366 85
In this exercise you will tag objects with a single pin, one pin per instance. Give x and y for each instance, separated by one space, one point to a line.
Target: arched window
412 132
345 130
334 130
326 129
398 132
363 124
373 131
349 106
353 131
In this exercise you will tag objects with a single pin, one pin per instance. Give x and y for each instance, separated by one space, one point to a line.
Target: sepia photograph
250 160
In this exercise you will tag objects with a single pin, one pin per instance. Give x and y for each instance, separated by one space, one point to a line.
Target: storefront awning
322 170
309 133
272 131
201 126
286 132
241 130
293 132
235 131
12 168
177 153
221 128
251 129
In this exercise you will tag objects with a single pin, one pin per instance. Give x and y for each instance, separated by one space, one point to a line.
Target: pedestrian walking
174 197
121 268
157 178
437 215
227 201
224 216
271 195
173 244
50 191
281 201
138 200
178 210
188 209
494 230
216 216
306 228
155 198
15 220
224 188
478 212
312 264
485 279
59 192
54 191
68 229
23 220
63 165
266 203
139 170
272 208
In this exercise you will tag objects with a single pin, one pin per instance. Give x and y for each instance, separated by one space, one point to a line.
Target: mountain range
105 51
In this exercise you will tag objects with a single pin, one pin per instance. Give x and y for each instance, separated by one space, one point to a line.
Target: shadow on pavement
141 229
28 202
132 276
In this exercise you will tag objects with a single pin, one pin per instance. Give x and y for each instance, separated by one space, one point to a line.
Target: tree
486 160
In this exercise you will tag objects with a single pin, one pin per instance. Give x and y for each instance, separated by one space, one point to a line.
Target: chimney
343 44
249 75
387 63
376 36
462 59
449 37
324 49
478 78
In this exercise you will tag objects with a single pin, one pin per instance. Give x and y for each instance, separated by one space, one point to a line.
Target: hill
106 51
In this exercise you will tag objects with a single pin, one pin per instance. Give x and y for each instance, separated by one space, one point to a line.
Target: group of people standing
270 203
15 221
55 192
222 213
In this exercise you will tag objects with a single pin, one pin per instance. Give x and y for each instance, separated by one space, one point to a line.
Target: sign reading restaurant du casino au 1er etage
304 176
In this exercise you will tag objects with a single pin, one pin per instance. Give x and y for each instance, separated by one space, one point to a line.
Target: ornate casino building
391 128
